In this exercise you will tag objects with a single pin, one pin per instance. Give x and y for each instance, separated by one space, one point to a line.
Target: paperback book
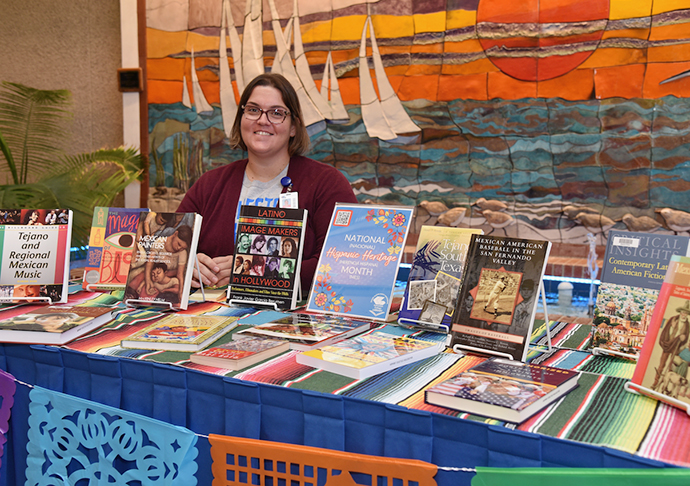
634 268
434 282
181 332
268 256
369 354
113 231
163 259
359 261
498 295
53 324
35 246
237 355
506 390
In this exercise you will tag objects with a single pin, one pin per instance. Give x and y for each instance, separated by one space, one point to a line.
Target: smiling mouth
261 132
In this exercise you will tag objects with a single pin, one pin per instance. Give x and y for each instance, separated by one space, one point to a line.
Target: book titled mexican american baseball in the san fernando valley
434 282
634 268
499 294
506 390
359 260
268 257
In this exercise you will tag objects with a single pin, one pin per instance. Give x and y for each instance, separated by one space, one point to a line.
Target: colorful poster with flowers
359 260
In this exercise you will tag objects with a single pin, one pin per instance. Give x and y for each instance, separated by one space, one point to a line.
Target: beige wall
68 44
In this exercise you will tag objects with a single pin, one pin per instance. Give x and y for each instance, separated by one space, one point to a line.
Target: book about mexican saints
435 276
181 332
665 357
498 295
237 355
308 331
634 268
359 260
502 389
369 354
35 248
163 259
53 324
268 257
113 231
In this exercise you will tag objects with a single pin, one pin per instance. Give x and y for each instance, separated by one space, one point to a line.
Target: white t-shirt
258 193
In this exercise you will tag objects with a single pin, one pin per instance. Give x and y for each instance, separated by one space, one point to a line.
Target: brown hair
299 144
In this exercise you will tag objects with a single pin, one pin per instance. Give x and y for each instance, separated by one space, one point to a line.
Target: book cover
498 295
268 256
503 389
369 354
359 260
113 231
163 259
237 355
665 357
308 331
634 268
181 332
35 246
53 324
435 276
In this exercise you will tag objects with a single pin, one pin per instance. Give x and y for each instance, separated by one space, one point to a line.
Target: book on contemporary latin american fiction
435 276
181 332
239 354
359 260
163 259
662 367
503 389
498 295
369 354
268 257
53 324
308 331
35 248
634 268
111 241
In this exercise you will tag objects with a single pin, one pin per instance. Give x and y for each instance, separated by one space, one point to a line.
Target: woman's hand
214 271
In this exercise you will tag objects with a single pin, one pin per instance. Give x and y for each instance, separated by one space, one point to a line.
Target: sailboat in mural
228 105
186 99
330 92
200 103
252 41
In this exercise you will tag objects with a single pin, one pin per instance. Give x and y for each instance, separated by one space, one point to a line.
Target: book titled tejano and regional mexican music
163 259
634 268
239 354
268 256
498 295
503 389
35 249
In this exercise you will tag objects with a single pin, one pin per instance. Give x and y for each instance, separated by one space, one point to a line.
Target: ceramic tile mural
536 118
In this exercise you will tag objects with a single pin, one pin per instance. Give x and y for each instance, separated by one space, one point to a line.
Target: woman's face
287 247
272 245
246 265
262 137
259 243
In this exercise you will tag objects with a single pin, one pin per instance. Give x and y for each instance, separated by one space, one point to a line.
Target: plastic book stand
642 390
28 300
239 462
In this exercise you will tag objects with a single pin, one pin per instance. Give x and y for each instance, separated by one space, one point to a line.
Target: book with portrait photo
499 294
163 259
268 257
239 354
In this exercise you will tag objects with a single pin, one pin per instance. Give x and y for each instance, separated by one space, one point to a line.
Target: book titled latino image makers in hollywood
268 256
498 296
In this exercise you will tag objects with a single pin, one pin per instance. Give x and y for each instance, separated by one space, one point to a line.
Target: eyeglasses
274 115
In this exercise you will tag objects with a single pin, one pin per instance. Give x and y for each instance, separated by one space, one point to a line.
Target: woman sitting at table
269 126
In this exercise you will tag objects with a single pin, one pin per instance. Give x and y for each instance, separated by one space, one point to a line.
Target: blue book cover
359 260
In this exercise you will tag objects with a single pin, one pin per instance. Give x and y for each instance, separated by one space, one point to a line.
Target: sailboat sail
186 100
228 105
252 41
329 85
235 46
202 106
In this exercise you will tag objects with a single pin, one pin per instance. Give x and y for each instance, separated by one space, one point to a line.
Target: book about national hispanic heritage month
181 332
237 355
634 268
268 257
35 248
665 357
502 389
498 295
369 354
163 259
113 231
435 276
53 324
309 331
359 260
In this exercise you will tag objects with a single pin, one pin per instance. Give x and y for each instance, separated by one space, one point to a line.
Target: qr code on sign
342 217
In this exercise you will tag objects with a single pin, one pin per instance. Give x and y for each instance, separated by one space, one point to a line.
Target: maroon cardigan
215 196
